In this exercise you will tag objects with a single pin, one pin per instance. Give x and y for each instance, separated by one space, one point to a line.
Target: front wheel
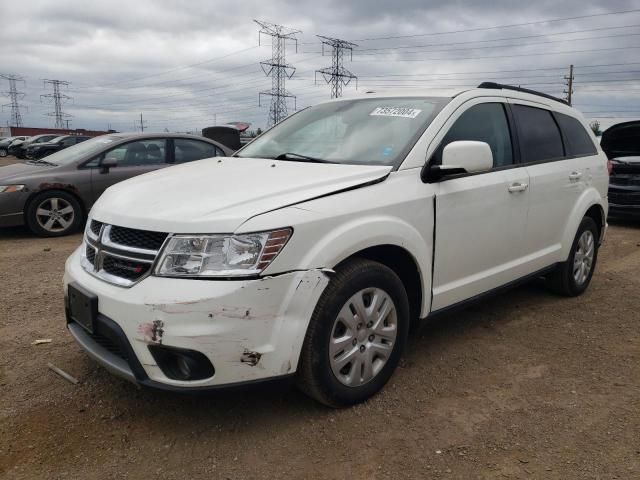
54 214
571 278
356 335
3 152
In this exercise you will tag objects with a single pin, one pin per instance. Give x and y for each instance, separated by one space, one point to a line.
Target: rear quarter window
539 136
579 142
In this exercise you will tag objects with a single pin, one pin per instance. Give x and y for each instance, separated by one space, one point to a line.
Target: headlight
11 188
221 255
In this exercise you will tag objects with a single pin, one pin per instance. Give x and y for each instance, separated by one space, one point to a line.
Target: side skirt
490 293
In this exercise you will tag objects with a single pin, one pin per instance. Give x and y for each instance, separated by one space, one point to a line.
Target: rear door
556 181
479 218
133 158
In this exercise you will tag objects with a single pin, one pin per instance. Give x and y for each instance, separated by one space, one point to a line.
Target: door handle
518 187
575 176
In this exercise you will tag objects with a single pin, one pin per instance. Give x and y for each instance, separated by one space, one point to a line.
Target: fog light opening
182 364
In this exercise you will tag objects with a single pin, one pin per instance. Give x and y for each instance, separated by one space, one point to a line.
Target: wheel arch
54 188
589 204
404 264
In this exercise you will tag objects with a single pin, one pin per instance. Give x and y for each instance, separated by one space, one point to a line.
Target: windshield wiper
300 158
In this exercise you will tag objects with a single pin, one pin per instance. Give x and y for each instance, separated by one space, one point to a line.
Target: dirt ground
526 385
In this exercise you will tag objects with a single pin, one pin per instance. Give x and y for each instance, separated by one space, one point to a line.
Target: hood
20 172
622 140
219 195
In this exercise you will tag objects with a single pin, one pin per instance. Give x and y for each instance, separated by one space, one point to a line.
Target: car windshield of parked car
371 131
81 150
57 139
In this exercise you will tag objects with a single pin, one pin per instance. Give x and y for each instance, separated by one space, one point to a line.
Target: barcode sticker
395 112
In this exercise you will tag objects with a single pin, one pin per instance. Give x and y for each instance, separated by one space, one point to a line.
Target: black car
20 150
41 150
621 143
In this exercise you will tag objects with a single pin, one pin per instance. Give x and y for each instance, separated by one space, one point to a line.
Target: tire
339 378
65 217
3 152
569 278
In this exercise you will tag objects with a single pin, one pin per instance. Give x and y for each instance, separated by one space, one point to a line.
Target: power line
14 96
495 27
277 68
336 75
58 99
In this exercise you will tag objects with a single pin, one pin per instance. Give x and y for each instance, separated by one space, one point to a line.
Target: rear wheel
356 335
571 278
54 214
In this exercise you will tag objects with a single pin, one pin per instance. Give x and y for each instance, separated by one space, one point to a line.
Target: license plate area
83 307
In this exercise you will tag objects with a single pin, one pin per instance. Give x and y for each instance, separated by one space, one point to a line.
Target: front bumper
12 208
231 322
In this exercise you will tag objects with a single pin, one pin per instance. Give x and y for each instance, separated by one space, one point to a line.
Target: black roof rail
499 86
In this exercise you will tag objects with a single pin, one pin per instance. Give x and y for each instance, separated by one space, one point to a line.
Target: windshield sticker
395 112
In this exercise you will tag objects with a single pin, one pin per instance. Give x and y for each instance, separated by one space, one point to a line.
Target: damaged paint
152 331
250 358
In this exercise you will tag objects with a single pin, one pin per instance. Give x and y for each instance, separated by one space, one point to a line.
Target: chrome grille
119 255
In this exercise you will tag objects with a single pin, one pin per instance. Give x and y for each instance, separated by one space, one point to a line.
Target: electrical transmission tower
277 68
337 75
141 125
58 99
569 91
14 96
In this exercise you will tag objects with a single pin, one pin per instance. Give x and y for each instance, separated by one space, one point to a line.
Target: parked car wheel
571 278
3 152
356 335
54 214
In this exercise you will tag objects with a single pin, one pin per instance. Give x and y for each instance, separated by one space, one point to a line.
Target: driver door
480 218
133 158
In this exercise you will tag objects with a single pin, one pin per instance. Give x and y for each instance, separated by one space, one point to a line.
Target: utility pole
58 99
67 123
141 124
569 90
277 68
337 75
14 96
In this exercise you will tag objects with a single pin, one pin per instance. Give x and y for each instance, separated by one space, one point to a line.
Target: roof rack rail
498 86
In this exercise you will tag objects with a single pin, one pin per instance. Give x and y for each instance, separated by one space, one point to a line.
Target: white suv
315 249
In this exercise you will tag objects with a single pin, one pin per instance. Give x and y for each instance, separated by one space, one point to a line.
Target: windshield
371 131
57 139
81 150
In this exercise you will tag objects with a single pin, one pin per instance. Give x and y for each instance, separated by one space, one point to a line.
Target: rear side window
189 150
578 140
538 133
486 122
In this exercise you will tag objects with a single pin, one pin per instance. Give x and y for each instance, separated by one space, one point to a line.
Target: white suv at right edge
311 252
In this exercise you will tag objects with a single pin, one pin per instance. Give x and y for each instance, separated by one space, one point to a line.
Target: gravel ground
525 385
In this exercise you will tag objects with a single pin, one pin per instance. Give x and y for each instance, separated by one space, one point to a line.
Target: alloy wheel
363 337
583 258
55 214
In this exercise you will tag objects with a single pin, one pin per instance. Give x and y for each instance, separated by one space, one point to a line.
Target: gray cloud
128 57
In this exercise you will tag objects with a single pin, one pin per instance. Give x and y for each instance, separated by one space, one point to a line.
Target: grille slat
91 255
95 227
131 237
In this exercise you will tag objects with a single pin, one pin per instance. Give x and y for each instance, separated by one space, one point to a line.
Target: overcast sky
185 65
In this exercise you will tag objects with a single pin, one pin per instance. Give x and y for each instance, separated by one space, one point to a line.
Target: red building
19 131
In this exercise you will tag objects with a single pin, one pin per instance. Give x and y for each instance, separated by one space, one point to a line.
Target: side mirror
463 156
107 164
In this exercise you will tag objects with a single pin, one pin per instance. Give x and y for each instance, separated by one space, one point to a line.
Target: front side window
486 122
538 133
579 141
370 131
187 150
140 152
